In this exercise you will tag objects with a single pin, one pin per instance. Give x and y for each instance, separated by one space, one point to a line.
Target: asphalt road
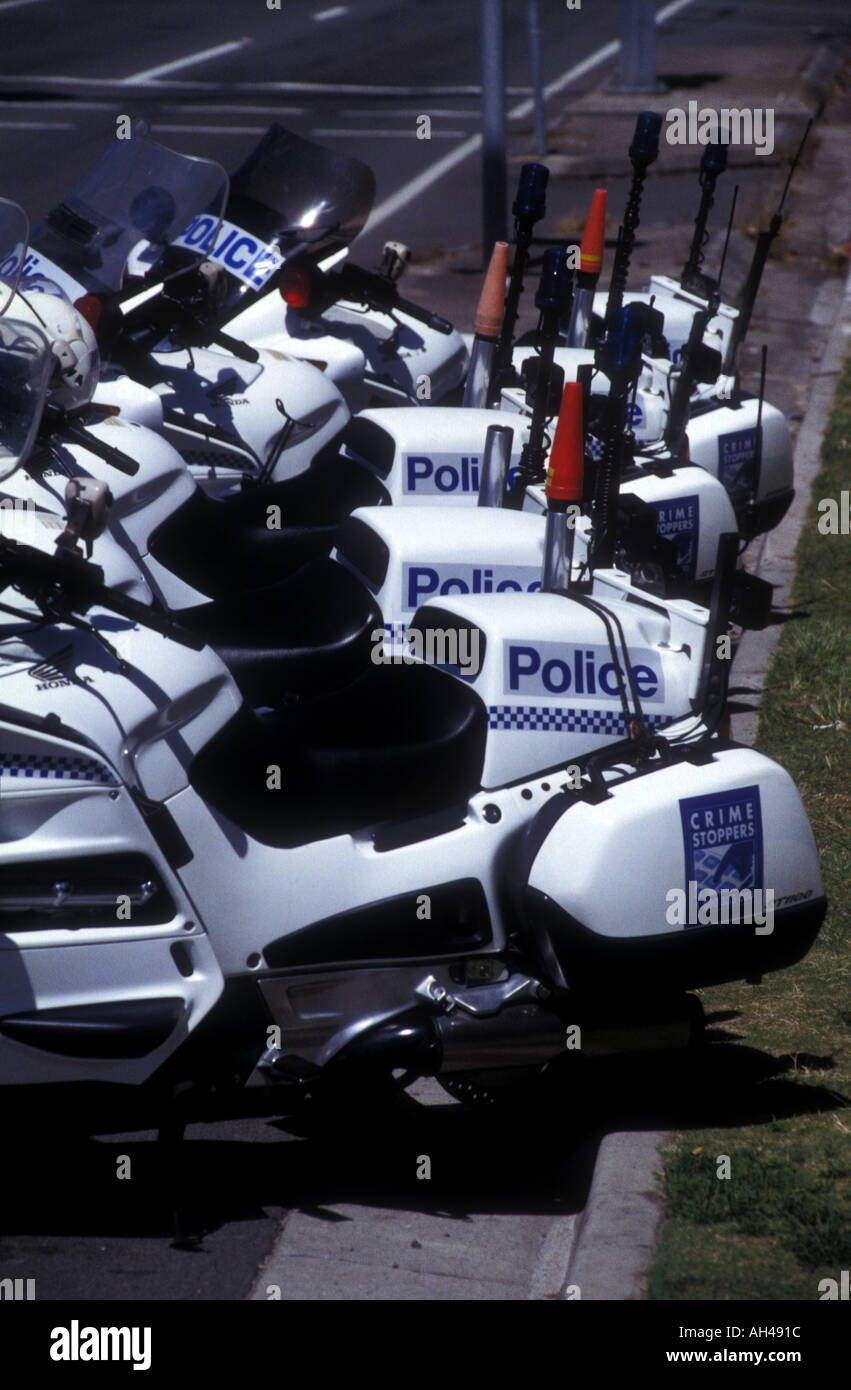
210 78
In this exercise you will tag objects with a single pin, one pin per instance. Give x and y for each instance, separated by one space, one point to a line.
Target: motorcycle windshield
14 235
138 191
25 367
294 193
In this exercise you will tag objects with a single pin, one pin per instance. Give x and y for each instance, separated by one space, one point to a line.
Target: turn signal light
294 286
90 307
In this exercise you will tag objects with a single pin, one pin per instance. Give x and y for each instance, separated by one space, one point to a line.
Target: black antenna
552 299
631 415
642 153
757 266
694 362
727 239
793 166
757 448
529 207
715 669
712 164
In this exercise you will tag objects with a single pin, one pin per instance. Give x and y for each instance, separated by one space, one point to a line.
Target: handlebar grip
235 346
77 585
414 311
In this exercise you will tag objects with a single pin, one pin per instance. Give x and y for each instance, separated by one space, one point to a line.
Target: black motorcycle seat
221 545
397 743
309 632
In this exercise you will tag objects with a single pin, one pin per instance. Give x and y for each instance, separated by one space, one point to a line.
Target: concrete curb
620 1225
773 556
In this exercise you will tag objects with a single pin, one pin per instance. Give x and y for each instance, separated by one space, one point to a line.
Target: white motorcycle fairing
434 460
407 556
679 307
106 967
232 419
372 357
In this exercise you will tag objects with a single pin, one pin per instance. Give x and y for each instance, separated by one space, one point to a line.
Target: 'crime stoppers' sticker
722 839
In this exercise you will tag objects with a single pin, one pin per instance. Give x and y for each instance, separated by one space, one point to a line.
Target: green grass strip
781 1065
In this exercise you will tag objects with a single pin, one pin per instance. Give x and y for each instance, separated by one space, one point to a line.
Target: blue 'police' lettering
421 582
553 668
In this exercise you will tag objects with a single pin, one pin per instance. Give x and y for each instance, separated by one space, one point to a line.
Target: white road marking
187 108
471 115
330 89
203 57
212 129
38 125
333 13
191 106
414 187
368 89
13 4
60 105
385 134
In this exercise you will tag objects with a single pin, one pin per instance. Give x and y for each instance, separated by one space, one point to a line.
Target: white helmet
72 341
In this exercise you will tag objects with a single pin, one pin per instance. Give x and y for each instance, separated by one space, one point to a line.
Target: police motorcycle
278 276
281 634
738 437
664 514
320 628
329 483
234 411
196 899
592 311
285 619
679 299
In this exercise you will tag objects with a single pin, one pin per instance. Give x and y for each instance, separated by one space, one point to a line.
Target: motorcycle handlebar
234 346
381 294
65 582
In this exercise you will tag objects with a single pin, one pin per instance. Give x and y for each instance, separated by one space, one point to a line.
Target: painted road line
471 115
414 187
354 132
213 129
38 125
191 107
203 56
330 89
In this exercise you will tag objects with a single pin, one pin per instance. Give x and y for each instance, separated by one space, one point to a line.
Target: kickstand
172 1153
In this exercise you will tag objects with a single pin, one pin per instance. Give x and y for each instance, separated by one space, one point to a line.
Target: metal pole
638 46
494 173
534 23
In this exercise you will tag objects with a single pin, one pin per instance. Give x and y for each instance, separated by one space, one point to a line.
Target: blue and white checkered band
594 448
34 767
557 719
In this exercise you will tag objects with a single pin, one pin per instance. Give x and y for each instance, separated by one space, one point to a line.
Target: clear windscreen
295 193
14 235
25 366
138 191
